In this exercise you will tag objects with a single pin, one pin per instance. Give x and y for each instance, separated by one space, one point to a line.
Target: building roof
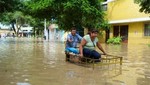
130 20
108 1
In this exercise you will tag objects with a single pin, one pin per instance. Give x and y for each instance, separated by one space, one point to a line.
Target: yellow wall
136 33
102 37
135 30
124 9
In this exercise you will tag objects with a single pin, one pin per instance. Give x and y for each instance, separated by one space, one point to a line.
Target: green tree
38 26
85 13
10 5
16 19
144 5
14 12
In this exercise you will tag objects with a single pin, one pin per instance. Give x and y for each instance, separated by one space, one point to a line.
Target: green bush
114 40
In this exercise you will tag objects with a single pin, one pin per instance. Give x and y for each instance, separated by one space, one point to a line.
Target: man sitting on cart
71 43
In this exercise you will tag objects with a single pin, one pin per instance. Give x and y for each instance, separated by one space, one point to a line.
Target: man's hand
70 40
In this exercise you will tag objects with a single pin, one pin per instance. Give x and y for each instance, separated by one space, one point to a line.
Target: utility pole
45 30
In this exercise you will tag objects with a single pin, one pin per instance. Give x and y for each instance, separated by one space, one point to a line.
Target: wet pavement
29 61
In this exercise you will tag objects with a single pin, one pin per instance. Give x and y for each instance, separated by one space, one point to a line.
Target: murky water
26 61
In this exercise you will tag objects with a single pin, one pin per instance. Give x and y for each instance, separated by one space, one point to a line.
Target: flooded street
27 61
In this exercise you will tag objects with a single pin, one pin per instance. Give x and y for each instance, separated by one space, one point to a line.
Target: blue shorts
74 50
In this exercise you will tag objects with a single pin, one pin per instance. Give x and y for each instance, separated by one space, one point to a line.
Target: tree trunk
18 28
13 27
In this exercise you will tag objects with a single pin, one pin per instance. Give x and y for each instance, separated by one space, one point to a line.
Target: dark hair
73 28
93 30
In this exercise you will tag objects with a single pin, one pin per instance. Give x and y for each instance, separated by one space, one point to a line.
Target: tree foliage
85 13
144 5
13 12
10 5
65 13
16 19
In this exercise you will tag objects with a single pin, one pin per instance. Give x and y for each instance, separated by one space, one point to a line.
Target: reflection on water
37 62
23 84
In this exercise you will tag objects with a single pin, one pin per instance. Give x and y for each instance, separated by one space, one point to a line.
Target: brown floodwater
27 61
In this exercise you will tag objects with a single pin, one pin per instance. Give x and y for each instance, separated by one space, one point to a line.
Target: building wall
126 10
136 33
102 37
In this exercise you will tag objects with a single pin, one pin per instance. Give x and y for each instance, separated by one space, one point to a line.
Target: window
147 30
25 30
104 7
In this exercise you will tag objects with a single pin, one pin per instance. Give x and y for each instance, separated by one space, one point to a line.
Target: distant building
26 31
5 30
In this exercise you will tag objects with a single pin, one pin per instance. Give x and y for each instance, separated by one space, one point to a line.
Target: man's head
73 30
